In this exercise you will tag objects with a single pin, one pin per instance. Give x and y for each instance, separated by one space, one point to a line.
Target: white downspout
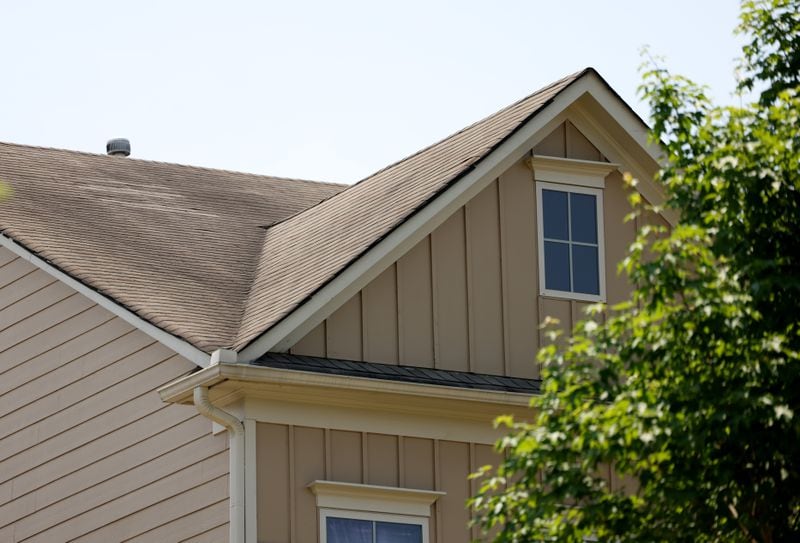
236 454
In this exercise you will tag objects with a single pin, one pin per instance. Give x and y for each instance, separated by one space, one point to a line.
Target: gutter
180 390
236 457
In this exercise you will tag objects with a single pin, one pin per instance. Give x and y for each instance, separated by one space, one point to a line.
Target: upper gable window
569 195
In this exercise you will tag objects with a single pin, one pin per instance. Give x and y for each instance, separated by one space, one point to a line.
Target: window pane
348 530
583 209
556 266
395 532
585 269
554 214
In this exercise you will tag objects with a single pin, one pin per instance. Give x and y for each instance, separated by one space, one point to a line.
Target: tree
692 388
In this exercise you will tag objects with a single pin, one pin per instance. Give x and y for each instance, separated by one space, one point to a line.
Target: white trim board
359 273
374 498
180 346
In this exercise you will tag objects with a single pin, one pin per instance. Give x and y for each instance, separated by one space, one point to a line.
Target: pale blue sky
321 90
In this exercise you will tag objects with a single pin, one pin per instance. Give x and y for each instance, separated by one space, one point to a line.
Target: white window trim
372 502
361 515
601 257
571 171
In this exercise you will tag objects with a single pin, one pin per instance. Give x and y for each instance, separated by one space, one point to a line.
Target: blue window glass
585 276
556 266
556 214
571 241
395 532
583 217
348 530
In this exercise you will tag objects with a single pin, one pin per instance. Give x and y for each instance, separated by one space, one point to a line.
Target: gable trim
358 273
606 144
178 345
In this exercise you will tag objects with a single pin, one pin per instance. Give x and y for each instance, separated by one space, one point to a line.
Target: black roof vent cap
118 147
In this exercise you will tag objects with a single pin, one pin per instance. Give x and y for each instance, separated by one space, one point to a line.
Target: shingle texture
215 257
408 374
305 252
177 245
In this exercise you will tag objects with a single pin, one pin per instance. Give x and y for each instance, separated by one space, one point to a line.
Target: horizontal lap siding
88 451
291 457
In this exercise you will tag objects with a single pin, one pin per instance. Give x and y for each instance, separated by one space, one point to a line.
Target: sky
329 91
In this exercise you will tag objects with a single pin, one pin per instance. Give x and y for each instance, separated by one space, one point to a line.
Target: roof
177 245
303 253
214 257
408 374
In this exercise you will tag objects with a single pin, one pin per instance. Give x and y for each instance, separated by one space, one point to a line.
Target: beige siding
291 457
466 297
485 293
449 250
88 452
415 306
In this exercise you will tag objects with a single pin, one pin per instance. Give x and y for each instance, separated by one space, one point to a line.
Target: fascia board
179 346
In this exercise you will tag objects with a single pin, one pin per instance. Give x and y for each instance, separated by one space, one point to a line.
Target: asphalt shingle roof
177 245
216 257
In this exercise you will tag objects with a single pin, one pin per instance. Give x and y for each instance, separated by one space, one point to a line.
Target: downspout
236 455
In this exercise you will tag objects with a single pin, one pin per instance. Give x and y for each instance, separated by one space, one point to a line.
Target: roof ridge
162 162
574 75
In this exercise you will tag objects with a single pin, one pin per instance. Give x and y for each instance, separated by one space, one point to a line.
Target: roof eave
180 391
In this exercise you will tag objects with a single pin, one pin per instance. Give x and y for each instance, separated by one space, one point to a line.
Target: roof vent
118 147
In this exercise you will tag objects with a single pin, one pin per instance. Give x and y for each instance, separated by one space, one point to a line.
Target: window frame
325 512
597 191
373 502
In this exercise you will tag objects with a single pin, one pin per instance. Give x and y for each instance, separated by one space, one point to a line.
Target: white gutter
178 391
178 345
236 455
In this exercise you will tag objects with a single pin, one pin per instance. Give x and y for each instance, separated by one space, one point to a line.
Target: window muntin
571 241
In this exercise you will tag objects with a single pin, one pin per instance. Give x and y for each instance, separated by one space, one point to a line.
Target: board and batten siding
291 457
466 297
88 451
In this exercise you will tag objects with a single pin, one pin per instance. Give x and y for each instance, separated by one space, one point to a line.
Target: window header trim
373 498
569 171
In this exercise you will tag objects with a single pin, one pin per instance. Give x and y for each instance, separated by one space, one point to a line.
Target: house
190 354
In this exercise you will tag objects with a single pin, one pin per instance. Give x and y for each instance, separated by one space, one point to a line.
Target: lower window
355 513
354 527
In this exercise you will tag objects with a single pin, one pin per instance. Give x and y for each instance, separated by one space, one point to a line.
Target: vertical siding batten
504 292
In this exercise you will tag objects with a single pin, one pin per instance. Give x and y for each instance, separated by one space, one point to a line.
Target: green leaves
689 390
